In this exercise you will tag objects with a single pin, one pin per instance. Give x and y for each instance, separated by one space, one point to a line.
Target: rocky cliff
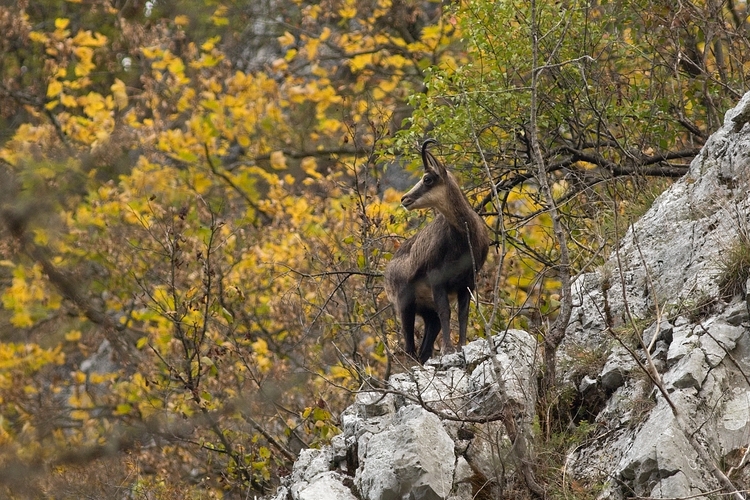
681 272
671 423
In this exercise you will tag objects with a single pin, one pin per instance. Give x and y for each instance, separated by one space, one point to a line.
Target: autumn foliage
193 237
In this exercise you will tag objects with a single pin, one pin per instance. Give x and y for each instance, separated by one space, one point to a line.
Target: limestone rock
701 350
412 459
618 366
395 445
328 485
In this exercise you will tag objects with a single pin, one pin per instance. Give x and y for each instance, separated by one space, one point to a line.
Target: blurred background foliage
198 199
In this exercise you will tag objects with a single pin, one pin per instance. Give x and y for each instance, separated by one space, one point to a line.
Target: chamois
439 263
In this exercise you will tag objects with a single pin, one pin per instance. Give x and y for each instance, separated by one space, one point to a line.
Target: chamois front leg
431 330
443 307
464 298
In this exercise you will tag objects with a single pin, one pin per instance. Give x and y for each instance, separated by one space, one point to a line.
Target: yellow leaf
359 62
339 372
312 48
388 85
152 52
79 415
73 336
313 11
61 23
431 33
278 161
396 61
201 183
260 347
93 103
85 60
348 12
35 36
309 165
123 409
40 236
54 88
182 20
84 38
120 94
290 54
176 66
68 101
319 71
209 44
21 319
218 17
286 39
279 65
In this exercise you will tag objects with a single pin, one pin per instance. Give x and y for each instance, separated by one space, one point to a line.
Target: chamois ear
431 164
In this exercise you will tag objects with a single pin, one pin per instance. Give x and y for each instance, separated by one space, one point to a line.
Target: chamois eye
428 180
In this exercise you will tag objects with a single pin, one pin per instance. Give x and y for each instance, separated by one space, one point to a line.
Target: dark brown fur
439 263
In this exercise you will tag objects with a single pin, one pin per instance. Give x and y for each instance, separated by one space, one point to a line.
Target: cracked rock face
701 346
409 441
399 462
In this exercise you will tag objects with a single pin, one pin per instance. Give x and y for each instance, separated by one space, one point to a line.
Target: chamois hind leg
431 330
464 298
407 315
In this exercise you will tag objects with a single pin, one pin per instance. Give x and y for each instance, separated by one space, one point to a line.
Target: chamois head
432 190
